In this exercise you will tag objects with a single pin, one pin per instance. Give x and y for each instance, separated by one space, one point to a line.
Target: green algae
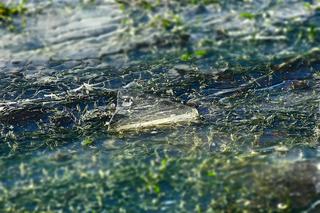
254 149
7 12
187 183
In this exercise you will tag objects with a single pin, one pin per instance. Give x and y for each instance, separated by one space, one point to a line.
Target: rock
136 112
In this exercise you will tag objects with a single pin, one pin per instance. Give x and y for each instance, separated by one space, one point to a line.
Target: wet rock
139 111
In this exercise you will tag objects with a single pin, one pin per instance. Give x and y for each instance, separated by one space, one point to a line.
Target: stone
136 112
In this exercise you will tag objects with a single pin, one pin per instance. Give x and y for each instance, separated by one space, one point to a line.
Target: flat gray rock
139 111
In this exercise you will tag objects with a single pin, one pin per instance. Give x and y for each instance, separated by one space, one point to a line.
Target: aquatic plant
7 12
249 68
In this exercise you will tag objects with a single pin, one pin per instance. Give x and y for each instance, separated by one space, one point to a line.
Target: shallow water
250 69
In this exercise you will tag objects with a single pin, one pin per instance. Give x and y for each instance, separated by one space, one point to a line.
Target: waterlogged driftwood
137 112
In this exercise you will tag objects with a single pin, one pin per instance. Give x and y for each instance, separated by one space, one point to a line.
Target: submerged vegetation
8 11
250 69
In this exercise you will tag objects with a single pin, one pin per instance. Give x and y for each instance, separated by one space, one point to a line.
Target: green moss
247 15
122 6
186 57
87 142
212 173
8 11
200 53
307 5
192 55
312 33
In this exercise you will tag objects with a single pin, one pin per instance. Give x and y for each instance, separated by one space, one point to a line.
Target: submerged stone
140 111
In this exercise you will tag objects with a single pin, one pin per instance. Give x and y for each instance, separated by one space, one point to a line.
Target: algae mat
221 100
